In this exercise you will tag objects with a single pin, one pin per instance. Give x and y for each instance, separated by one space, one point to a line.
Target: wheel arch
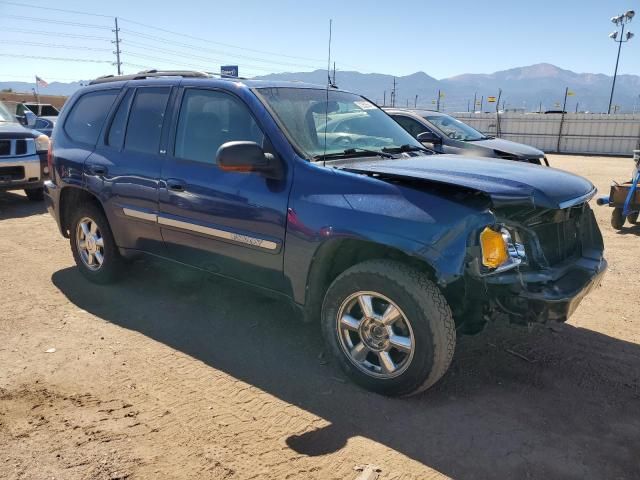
337 255
71 196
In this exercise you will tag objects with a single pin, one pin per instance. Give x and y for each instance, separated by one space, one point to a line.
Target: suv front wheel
93 246
389 327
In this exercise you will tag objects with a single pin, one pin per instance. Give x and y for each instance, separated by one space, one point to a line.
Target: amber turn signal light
494 248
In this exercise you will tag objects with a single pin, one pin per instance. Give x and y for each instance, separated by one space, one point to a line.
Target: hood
519 149
505 181
15 130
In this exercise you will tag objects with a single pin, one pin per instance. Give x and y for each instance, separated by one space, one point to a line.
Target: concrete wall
581 133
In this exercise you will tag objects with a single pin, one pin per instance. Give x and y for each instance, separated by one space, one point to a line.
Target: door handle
175 185
97 169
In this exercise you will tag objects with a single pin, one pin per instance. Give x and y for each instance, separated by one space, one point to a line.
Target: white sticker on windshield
364 105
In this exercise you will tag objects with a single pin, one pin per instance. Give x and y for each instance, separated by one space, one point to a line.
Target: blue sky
442 38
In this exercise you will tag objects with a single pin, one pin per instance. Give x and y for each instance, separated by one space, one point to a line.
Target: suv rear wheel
93 246
389 327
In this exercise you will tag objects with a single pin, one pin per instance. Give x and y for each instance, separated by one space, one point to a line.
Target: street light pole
620 20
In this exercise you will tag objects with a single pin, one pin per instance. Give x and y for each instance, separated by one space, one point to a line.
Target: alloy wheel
90 243
375 334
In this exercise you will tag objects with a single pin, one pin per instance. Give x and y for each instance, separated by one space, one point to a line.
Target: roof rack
159 73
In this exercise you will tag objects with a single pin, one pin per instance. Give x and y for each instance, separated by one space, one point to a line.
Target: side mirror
246 157
30 118
429 137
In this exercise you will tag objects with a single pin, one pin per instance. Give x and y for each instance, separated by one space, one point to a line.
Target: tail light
50 159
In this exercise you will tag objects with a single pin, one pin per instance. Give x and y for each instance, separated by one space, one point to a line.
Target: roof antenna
326 105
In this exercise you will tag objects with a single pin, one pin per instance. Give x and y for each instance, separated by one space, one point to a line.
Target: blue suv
394 249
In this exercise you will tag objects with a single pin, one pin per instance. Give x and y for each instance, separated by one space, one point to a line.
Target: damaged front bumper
549 295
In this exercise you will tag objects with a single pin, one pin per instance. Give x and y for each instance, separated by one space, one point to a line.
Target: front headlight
499 251
42 143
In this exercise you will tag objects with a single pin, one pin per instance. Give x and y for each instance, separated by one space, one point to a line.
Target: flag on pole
40 82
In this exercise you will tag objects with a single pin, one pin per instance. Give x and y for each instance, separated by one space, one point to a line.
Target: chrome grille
17 147
560 240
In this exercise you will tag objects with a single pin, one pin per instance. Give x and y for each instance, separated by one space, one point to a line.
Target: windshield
454 128
345 125
5 116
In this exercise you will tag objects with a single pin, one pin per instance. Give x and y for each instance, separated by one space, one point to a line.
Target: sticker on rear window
364 105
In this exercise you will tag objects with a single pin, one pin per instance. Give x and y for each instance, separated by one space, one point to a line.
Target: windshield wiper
407 148
353 152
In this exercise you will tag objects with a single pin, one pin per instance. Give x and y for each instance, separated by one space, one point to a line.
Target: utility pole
577 103
481 103
334 73
438 101
564 108
117 43
475 99
498 114
384 98
393 93
540 108
468 106
415 102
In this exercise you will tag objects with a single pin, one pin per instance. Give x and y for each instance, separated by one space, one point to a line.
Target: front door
229 223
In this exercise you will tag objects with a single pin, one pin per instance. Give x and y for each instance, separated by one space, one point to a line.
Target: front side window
454 128
325 123
210 118
145 120
412 126
88 115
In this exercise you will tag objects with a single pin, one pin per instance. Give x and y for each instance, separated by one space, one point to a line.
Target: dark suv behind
393 249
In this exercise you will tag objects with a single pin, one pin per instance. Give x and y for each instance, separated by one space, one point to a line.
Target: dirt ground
174 374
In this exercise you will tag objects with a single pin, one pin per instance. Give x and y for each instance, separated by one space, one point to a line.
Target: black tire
35 194
633 218
617 219
112 264
425 309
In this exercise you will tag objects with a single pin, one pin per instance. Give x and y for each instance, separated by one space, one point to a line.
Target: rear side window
145 120
88 115
119 122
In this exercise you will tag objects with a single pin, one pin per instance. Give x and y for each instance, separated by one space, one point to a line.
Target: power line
58 22
60 59
217 43
161 39
203 49
59 34
185 55
141 24
40 7
273 64
52 45
43 75
171 61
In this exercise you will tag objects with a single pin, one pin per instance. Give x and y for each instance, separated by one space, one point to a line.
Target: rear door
229 223
125 169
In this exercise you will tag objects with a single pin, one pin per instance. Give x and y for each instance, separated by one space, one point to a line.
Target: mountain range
531 87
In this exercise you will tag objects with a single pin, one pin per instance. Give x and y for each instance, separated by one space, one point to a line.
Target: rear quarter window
87 116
